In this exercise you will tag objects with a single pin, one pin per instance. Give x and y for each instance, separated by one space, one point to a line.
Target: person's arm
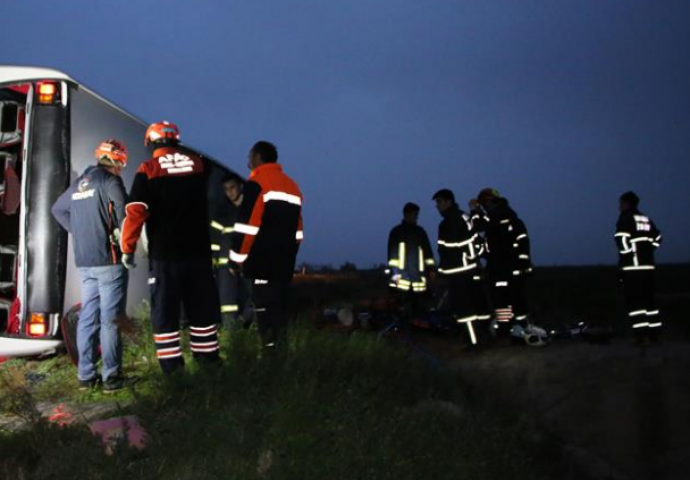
248 222
429 262
656 235
118 198
136 212
61 209
624 231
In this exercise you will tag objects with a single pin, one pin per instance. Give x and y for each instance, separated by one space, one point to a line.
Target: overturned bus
49 127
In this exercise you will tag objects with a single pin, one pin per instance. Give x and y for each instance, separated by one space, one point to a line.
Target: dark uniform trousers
188 284
509 299
271 301
640 301
468 303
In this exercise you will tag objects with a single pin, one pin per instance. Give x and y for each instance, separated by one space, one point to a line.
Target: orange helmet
162 131
112 151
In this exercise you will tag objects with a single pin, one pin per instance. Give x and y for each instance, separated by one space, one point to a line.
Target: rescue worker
637 239
92 210
233 290
267 236
459 263
508 263
169 197
410 258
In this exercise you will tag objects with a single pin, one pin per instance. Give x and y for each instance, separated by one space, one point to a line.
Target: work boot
85 385
118 382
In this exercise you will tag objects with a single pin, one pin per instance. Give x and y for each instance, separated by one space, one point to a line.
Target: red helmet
162 131
112 151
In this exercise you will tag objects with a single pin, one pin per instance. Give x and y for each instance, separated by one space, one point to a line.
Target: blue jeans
103 301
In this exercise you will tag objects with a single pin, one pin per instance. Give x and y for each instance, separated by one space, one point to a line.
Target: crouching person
92 210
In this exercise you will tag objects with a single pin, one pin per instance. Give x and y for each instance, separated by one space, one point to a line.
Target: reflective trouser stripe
229 308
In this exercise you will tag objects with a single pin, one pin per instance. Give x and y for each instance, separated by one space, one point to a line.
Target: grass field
339 405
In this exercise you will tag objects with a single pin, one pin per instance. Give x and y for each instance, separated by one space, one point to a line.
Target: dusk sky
561 105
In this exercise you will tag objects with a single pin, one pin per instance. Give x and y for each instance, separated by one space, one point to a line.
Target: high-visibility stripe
164 336
202 329
203 344
227 230
641 325
215 247
421 259
229 308
473 336
394 263
501 284
524 257
459 269
655 325
205 349
521 236
223 261
299 235
236 257
217 226
637 313
640 267
401 254
430 262
246 229
483 317
168 350
165 356
469 318
622 234
651 313
443 243
283 197
167 340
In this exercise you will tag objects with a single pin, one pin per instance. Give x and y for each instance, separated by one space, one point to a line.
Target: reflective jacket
268 230
637 238
222 228
169 196
507 241
458 244
409 257
91 209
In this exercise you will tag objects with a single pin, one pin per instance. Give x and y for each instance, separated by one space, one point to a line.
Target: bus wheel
69 332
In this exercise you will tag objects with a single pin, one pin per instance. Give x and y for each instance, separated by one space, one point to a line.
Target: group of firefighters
249 255
239 268
490 247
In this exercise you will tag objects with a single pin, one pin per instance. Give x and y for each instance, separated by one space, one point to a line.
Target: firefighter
267 236
233 290
508 264
637 239
92 210
458 255
410 258
169 197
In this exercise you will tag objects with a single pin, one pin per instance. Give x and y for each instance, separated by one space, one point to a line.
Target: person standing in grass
169 196
410 259
92 210
637 239
267 236
234 290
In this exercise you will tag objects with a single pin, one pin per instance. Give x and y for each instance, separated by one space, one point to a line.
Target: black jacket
169 196
507 241
637 238
409 257
222 229
91 209
458 247
268 230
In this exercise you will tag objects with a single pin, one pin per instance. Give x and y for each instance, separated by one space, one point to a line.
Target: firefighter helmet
162 131
112 152
488 194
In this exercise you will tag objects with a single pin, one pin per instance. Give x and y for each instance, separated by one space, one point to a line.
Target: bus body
50 126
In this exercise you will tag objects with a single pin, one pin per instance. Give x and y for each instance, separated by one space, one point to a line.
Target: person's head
628 202
262 152
162 134
411 213
488 198
232 185
445 200
112 154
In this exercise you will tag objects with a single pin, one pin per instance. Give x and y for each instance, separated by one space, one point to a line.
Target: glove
128 260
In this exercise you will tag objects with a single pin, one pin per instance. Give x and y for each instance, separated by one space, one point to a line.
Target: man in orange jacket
267 236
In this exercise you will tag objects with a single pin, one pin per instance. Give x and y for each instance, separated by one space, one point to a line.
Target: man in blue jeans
92 210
